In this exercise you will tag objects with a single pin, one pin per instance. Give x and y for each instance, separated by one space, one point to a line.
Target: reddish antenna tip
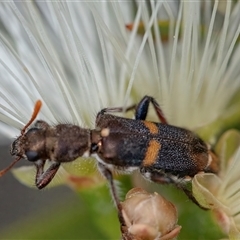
38 105
36 110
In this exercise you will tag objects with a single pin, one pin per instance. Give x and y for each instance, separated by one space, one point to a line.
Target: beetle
162 153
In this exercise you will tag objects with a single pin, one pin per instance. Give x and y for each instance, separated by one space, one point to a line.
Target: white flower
80 57
221 193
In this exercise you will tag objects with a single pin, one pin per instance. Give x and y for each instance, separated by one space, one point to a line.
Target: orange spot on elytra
152 127
152 153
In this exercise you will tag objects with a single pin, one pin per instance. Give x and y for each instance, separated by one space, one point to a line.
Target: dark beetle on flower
161 152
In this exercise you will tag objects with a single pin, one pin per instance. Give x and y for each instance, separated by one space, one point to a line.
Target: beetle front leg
142 109
44 178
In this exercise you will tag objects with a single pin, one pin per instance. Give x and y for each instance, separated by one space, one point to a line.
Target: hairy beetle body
149 145
161 152
61 143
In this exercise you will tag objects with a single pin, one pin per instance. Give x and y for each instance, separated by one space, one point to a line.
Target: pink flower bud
149 216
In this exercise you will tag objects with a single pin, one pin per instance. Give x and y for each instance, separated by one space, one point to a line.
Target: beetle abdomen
158 146
182 159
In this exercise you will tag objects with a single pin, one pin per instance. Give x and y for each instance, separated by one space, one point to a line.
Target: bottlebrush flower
221 193
80 57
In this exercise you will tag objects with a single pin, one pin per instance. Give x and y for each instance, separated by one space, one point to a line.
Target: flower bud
149 216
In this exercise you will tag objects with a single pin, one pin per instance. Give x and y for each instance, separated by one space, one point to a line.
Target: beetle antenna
2 172
36 110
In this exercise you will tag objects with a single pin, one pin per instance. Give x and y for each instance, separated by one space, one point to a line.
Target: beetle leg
39 166
142 109
108 175
190 195
163 178
117 109
44 178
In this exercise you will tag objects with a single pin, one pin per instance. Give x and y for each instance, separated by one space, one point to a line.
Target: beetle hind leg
163 178
142 109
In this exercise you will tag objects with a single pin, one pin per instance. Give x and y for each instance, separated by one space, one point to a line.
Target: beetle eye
32 156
